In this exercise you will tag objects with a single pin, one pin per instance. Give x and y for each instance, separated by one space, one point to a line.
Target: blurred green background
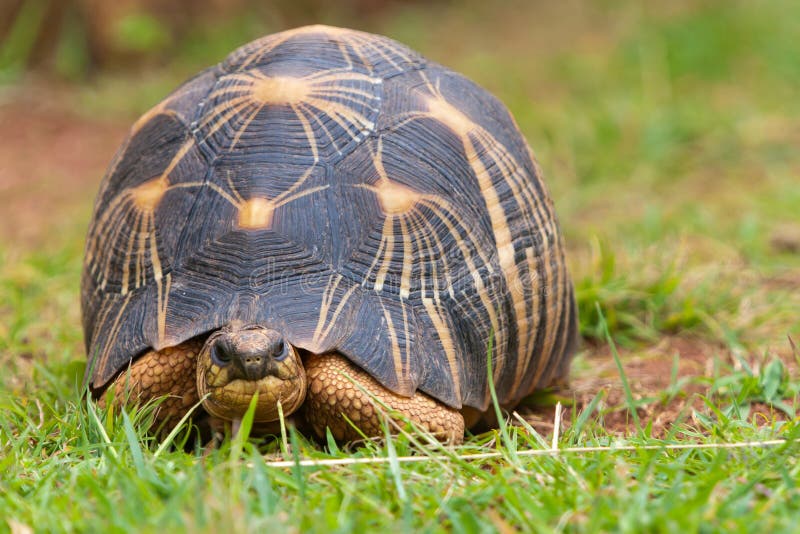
667 131
668 134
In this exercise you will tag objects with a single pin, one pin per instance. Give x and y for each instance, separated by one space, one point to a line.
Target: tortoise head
240 360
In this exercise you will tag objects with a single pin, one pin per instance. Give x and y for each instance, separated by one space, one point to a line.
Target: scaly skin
168 373
333 398
334 390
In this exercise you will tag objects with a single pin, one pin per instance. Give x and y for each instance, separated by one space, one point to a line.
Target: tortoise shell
338 187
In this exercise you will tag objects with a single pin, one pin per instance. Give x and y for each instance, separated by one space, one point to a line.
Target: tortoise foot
169 373
333 399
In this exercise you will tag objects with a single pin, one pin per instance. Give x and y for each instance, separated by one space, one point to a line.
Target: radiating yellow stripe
407 357
116 230
560 290
113 332
312 139
378 254
126 267
224 113
408 257
388 252
337 312
163 303
443 332
99 325
396 357
553 303
327 297
419 234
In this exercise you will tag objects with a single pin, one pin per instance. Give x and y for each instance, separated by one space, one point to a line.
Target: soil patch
51 162
666 381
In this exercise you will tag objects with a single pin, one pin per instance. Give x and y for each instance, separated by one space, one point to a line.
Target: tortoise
335 223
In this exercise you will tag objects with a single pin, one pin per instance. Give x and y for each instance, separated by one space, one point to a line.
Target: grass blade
133 443
174 432
624 379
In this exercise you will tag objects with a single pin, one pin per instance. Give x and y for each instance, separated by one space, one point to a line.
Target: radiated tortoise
326 218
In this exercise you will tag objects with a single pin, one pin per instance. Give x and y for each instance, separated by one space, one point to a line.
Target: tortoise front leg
169 373
332 397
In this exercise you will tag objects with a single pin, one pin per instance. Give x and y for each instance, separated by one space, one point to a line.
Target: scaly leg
167 373
331 396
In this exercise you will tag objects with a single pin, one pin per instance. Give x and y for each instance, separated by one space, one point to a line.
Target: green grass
668 135
68 467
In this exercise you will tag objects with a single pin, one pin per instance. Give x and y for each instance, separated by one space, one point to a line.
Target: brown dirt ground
668 404
52 160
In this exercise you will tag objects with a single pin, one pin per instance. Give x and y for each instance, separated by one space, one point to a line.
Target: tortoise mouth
239 362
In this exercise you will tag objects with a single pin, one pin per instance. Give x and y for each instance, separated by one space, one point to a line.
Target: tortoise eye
221 353
281 350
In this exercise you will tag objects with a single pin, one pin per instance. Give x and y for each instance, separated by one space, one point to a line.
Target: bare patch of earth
51 162
667 382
